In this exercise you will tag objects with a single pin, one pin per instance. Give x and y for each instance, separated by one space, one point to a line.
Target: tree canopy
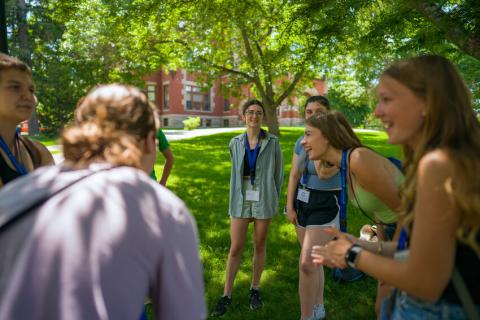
275 46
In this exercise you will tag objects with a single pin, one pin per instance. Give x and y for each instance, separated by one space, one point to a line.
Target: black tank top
468 264
7 174
246 165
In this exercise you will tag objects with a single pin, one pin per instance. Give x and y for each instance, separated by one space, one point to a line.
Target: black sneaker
221 307
255 299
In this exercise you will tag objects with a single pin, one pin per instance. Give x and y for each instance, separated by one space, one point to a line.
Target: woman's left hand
333 253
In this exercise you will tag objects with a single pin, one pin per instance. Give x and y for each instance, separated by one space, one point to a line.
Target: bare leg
260 249
300 234
238 234
311 280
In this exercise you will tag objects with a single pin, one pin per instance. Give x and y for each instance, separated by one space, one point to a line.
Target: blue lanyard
305 171
344 193
18 166
402 241
252 157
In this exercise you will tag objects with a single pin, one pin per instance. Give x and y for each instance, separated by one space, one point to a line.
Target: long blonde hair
110 122
450 124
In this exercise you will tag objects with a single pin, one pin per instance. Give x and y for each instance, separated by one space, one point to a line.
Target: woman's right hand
292 216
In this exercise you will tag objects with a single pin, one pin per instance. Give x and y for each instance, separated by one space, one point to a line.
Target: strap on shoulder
33 151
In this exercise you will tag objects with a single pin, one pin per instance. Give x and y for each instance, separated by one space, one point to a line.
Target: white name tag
253 195
303 195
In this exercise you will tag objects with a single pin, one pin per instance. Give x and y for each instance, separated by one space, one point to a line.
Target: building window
196 99
165 122
151 92
166 97
208 122
225 123
226 105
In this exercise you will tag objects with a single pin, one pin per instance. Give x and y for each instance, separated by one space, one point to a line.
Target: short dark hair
252 102
318 99
8 62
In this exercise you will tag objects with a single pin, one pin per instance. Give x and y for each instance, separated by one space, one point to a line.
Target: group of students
91 238
427 211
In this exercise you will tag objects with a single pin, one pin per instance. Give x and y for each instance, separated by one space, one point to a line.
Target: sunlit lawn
46 140
201 178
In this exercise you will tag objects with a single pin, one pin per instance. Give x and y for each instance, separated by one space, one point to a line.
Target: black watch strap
351 257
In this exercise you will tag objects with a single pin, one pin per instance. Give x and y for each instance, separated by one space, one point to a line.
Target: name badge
253 195
303 195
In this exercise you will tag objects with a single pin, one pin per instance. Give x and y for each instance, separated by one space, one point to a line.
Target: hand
292 216
333 253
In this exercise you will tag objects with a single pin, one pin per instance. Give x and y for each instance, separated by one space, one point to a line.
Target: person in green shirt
164 148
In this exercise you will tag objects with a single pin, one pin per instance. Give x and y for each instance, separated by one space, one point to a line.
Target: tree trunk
3 28
271 119
25 55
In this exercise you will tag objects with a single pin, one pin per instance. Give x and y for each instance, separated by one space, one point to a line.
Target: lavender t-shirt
98 249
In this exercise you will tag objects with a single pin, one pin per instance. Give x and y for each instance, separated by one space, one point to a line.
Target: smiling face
17 96
314 143
313 107
253 116
401 112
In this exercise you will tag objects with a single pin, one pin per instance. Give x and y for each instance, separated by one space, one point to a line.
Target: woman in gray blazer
255 186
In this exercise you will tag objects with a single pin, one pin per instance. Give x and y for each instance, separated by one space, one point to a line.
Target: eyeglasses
251 113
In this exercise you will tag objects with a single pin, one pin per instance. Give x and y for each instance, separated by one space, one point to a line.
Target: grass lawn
201 178
46 140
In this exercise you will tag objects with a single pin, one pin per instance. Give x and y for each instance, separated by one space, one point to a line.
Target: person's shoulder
436 160
45 154
268 136
237 139
363 158
362 154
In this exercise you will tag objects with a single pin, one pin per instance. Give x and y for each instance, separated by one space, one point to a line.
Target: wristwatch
351 257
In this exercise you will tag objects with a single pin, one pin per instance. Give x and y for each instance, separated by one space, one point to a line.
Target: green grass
46 140
201 178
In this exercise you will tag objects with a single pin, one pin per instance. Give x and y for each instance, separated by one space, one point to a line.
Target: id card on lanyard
303 193
252 195
18 166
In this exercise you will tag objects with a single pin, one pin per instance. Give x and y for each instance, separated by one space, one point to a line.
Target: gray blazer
268 175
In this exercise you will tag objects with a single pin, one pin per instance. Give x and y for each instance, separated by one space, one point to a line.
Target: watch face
352 255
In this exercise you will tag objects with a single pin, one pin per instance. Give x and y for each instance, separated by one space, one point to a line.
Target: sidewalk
172 135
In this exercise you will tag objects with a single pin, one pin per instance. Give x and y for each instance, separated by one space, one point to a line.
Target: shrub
191 123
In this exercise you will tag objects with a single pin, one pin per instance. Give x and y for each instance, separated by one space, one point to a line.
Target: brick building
178 96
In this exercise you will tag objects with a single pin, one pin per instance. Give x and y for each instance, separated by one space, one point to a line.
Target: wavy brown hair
450 124
335 128
110 122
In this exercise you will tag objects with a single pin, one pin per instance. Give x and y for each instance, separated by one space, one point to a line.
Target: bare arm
291 190
167 168
374 173
426 272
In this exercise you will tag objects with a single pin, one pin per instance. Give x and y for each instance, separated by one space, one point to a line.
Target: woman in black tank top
425 106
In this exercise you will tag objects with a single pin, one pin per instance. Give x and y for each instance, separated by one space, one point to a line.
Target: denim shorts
407 307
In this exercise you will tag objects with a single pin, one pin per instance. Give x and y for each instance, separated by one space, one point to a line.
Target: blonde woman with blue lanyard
255 186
